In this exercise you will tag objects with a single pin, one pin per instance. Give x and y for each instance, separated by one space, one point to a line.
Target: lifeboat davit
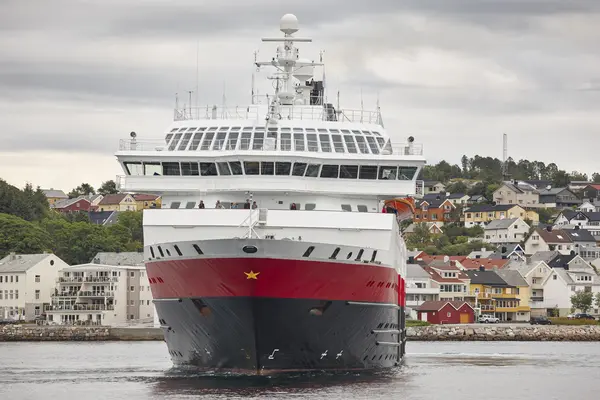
404 208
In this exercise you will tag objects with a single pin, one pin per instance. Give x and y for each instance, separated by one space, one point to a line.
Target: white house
549 239
419 288
505 231
583 219
536 273
563 283
26 283
587 206
112 290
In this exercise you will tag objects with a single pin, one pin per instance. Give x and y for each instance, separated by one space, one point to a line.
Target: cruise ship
277 246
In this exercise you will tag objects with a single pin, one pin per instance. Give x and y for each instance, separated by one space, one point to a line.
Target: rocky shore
502 333
33 333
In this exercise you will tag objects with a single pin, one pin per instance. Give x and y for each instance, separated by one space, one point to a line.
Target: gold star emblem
251 275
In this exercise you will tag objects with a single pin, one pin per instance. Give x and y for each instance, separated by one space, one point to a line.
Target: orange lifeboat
404 208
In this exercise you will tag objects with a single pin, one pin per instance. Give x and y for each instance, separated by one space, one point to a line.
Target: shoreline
529 333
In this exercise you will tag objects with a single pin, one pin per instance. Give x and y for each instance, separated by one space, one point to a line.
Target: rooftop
501 223
490 278
125 258
21 262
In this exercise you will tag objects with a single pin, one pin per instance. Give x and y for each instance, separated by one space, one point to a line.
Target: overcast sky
77 76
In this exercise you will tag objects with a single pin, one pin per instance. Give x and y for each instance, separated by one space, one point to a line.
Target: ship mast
288 65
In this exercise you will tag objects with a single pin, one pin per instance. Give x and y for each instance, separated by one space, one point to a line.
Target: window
350 143
346 207
283 168
208 169
362 208
245 140
185 141
338 145
134 168
372 145
311 142
367 172
329 171
37 279
207 140
310 206
223 168
232 140
196 141
132 288
362 146
251 167
175 141
189 169
299 141
236 168
312 170
152 168
325 143
286 141
406 173
348 171
387 172
299 169
171 168
267 168
258 142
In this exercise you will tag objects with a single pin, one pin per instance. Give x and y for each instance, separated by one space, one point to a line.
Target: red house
73 205
446 312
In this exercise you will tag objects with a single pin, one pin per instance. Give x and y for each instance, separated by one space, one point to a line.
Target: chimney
481 268
12 256
411 260
549 228
503 249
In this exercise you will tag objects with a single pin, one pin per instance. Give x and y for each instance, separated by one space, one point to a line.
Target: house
535 273
446 312
455 198
488 264
77 204
483 253
564 282
453 282
434 228
516 280
104 217
517 192
587 207
581 238
419 288
582 219
481 214
548 239
26 284
576 186
434 187
559 197
117 202
592 192
146 201
434 211
476 199
53 195
510 252
505 231
415 254
103 294
493 295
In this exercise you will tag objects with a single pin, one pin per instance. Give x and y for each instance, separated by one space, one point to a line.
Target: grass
567 321
413 322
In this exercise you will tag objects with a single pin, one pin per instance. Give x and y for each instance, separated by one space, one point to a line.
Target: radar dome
288 24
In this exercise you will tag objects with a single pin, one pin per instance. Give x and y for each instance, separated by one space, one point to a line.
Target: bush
414 322
567 321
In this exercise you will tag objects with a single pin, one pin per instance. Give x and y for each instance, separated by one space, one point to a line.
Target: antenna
190 103
505 175
197 75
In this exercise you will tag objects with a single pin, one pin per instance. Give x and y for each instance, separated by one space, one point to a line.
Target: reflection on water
432 370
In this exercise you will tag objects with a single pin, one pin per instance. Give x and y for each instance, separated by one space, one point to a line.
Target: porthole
249 249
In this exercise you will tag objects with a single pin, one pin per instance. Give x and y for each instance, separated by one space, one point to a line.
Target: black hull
264 335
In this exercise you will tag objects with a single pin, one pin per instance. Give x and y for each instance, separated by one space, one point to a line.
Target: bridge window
190 204
362 208
349 171
223 168
171 168
346 207
387 172
175 204
286 141
246 139
299 141
219 141
350 144
232 141
372 145
152 168
189 169
267 168
367 172
406 173
174 130
185 141
309 206
283 168
325 143
208 169
252 167
299 169
312 170
236 168
311 142
330 171
362 145
271 142
175 141
196 141
134 168
259 138
337 143
207 140
380 141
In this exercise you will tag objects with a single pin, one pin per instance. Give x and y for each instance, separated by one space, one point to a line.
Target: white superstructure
296 152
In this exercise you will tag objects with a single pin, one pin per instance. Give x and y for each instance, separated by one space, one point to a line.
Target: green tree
596 177
582 301
547 215
457 187
108 187
85 189
20 236
420 238
28 203
560 179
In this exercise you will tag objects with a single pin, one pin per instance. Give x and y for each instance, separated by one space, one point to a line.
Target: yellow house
494 295
117 202
146 201
481 214
54 195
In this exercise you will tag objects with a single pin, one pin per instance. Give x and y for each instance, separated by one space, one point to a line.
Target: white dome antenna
289 24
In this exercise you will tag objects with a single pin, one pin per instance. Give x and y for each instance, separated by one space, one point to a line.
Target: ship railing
267 144
292 112
79 307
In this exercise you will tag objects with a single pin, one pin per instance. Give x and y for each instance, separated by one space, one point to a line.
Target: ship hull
265 335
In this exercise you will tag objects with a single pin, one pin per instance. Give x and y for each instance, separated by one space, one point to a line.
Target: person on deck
201 204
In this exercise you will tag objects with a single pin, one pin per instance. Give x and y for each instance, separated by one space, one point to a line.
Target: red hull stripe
278 278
